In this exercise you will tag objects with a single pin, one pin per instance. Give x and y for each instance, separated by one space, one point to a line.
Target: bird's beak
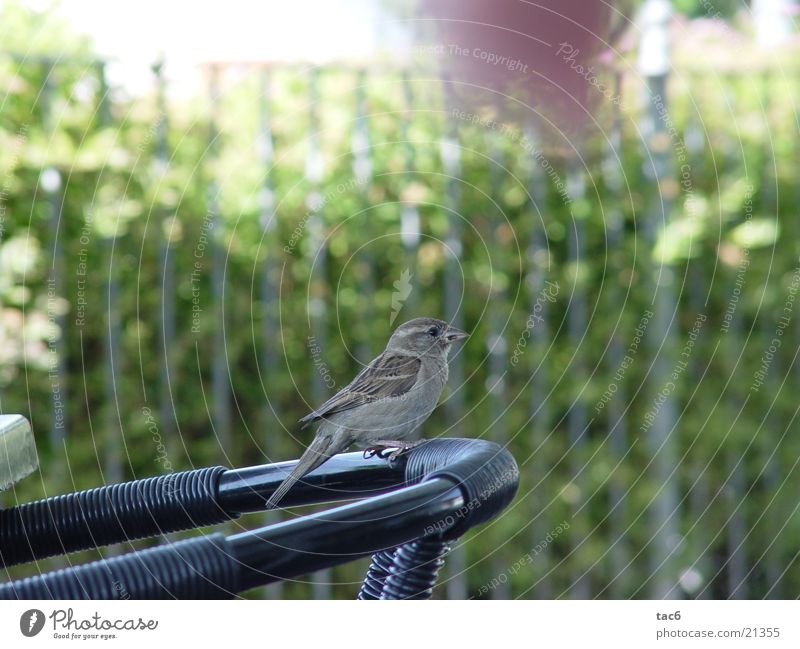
454 334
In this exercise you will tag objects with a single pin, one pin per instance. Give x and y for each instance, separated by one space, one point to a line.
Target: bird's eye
433 331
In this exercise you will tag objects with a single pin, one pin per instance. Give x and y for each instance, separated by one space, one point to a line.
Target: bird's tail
319 451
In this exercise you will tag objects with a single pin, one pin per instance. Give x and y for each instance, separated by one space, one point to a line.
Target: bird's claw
383 450
380 451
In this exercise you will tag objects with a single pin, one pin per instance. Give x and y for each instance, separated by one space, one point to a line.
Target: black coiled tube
485 472
200 568
415 568
112 514
378 571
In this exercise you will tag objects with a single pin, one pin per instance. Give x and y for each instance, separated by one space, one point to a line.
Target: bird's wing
388 376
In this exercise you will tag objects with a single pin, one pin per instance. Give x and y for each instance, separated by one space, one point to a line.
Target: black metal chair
409 510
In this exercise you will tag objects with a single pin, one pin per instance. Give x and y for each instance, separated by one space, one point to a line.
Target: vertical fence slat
495 343
453 311
699 540
220 389
661 436
321 588
616 421
365 267
51 182
733 455
112 437
538 268
167 293
269 291
736 487
409 211
267 221
767 463
577 421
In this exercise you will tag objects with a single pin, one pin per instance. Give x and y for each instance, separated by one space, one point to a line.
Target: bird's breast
399 418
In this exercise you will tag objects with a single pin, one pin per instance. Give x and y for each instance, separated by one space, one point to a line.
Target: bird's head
424 337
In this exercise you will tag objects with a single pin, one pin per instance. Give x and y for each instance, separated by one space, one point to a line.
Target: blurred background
212 216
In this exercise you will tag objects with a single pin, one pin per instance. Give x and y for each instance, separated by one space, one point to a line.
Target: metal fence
593 349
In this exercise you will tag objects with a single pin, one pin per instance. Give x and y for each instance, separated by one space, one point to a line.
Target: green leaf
755 233
679 239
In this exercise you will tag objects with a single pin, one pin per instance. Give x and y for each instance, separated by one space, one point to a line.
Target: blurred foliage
709 9
67 148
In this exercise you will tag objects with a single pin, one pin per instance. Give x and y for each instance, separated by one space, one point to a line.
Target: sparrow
384 406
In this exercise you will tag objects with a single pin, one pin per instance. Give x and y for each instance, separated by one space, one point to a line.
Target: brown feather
321 449
389 375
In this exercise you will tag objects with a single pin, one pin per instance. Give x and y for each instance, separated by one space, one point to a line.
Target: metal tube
340 535
464 483
343 477
215 566
487 477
